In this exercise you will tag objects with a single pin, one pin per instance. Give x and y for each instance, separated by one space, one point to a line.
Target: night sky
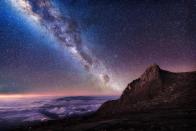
91 47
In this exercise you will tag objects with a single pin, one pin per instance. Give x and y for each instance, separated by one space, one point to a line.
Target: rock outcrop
156 88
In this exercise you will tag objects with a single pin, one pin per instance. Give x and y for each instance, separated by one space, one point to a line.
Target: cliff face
156 88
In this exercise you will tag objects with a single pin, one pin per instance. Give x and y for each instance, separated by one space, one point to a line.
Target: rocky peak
145 87
151 73
155 88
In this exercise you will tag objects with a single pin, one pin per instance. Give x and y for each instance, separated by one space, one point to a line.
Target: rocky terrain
158 100
155 89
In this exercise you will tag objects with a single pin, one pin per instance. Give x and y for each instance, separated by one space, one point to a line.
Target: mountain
154 89
157 101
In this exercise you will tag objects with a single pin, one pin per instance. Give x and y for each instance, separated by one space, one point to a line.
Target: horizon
38 96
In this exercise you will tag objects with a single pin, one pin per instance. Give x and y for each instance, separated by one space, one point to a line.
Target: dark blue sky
126 35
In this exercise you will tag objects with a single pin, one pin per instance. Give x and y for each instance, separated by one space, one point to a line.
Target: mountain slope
155 89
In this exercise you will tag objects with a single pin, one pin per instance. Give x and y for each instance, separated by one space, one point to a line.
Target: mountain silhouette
154 89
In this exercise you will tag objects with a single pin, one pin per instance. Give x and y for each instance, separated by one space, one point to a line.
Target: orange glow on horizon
20 96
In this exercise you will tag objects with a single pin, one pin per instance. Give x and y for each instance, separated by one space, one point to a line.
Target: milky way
66 31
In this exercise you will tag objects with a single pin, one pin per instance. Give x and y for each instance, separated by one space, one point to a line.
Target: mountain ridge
155 88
